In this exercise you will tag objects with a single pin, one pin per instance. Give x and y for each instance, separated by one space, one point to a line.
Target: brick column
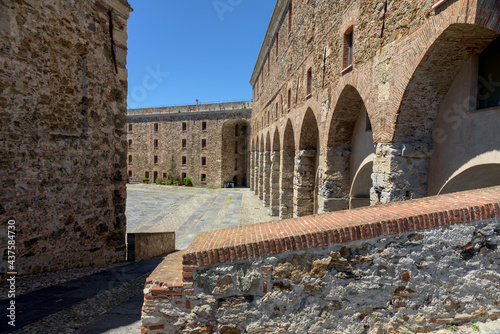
286 183
266 166
274 182
303 190
334 183
261 175
400 172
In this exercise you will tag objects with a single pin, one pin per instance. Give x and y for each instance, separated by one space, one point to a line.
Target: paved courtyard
188 210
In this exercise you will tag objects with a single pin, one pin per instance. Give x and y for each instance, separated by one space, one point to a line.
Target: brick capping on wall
321 230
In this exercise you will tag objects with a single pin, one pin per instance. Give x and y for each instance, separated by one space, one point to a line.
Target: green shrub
177 182
187 180
145 179
169 182
158 181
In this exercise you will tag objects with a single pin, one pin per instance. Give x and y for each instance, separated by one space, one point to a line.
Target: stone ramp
173 281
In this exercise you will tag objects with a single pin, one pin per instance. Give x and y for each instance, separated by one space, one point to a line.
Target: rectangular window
130 128
235 164
184 126
236 147
184 143
290 17
203 161
277 45
203 178
146 175
236 131
203 143
129 159
164 175
368 123
203 126
130 143
348 48
129 173
309 82
289 103
488 89
156 160
156 127
156 143
184 160
155 176
276 112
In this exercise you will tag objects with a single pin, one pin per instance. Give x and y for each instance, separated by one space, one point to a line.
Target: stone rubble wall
416 273
63 89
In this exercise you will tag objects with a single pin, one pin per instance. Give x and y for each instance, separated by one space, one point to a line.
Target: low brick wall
143 245
414 265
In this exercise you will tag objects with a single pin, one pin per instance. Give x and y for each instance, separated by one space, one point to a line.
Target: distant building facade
207 143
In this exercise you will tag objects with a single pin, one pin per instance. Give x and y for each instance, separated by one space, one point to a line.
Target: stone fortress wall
366 102
63 88
215 136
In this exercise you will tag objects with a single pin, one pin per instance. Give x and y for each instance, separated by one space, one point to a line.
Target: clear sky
180 51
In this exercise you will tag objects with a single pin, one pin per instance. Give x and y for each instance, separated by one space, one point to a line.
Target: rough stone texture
415 265
220 135
406 55
63 88
416 281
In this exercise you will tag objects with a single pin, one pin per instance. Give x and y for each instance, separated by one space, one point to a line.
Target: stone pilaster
287 158
266 164
260 191
252 170
334 183
305 170
400 172
274 182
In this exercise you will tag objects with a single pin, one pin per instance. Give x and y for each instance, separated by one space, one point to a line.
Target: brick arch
432 78
287 170
361 80
344 116
309 131
276 143
427 62
267 141
342 163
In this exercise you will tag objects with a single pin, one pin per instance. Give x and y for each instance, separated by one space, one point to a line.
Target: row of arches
442 139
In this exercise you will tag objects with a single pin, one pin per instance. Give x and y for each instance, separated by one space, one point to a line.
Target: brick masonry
223 127
63 89
405 56
173 289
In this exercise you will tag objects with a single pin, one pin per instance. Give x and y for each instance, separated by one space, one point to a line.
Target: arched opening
361 185
275 174
256 170
350 149
252 166
234 152
267 170
306 167
465 131
287 162
261 169
481 176
432 103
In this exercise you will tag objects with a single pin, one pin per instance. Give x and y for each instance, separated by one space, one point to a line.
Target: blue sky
180 51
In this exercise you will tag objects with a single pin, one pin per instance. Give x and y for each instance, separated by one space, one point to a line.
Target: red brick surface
322 230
